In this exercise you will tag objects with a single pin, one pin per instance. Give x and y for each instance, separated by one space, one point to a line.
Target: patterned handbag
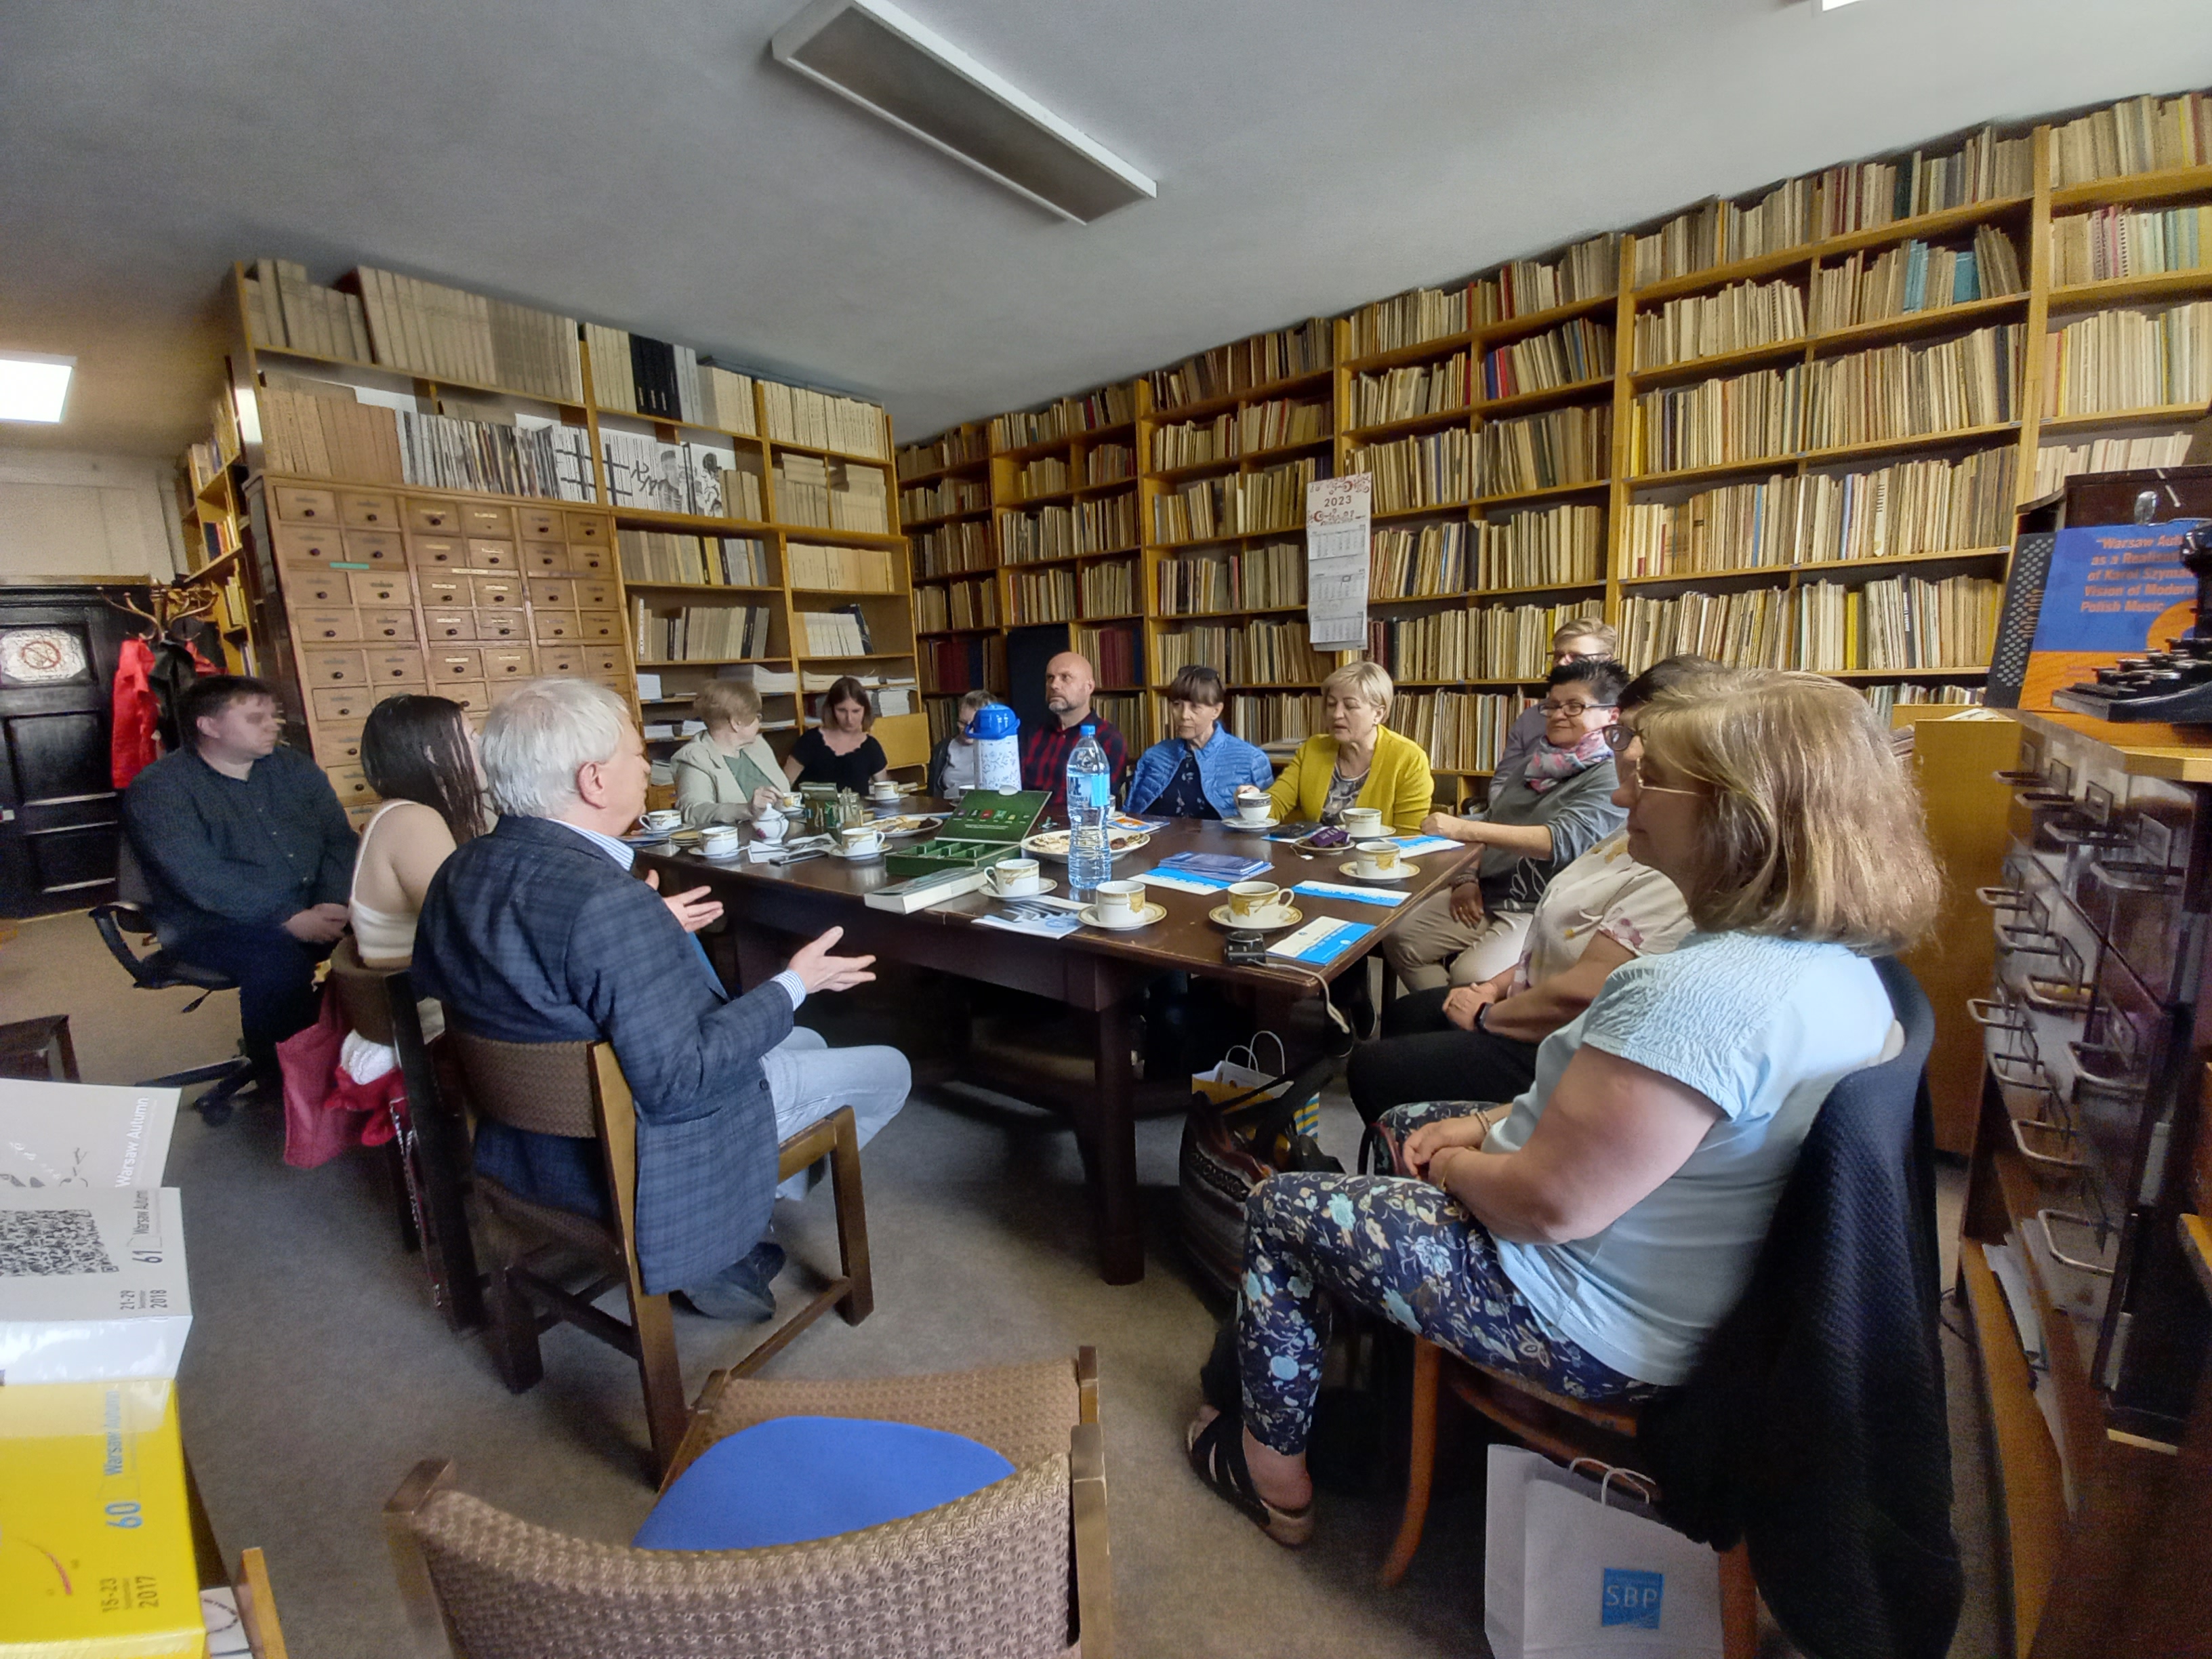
1230 1145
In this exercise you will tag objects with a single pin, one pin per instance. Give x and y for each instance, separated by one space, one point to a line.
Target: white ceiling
644 162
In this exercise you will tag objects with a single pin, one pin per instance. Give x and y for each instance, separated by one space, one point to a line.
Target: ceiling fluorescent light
32 387
874 54
1830 5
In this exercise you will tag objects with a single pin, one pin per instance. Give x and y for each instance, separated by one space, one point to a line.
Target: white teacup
1250 900
1115 901
771 827
662 822
1255 809
883 789
860 842
792 802
1362 823
719 841
1376 858
1012 878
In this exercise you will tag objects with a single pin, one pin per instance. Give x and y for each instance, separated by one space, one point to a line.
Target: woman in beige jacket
727 773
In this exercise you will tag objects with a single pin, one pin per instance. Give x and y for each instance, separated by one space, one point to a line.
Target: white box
91 1284
83 1134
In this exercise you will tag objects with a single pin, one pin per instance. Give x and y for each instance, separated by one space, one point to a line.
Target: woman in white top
421 755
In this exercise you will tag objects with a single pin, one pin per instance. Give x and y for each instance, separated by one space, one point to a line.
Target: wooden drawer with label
396 667
540 558
365 511
428 552
604 626
597 596
620 684
427 513
374 590
502 625
306 505
553 627
473 695
509 662
324 626
380 549
479 520
321 668
541 524
338 745
351 784
438 592
497 593
588 561
588 528
552 594
561 659
318 589
341 705
455 665
449 624
306 545
387 627
485 554
597 660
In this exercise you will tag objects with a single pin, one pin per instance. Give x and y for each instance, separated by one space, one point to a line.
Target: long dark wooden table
1094 972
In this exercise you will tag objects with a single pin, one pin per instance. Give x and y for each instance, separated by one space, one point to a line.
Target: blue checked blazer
532 934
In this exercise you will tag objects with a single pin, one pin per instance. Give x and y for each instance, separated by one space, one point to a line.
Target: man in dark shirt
249 856
1068 684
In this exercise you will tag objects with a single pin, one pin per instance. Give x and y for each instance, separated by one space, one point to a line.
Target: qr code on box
51 1242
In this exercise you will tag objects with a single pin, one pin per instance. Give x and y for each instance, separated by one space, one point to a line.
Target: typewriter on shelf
2172 686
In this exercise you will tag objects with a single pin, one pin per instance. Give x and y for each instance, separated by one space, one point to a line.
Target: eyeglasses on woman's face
1618 736
1574 709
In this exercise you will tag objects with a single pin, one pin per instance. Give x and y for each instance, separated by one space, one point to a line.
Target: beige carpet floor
317 1374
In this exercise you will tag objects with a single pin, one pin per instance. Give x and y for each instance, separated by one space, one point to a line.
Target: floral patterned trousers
1403 1249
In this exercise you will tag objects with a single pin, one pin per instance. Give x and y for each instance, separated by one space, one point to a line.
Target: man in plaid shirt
1068 684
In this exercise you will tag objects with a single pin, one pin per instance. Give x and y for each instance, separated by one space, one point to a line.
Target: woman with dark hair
1196 773
837 749
420 757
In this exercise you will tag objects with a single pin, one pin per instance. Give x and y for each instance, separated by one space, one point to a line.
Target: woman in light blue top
1196 773
1592 1233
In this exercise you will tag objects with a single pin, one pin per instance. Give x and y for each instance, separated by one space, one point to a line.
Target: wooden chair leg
1420 1461
860 1301
666 1414
513 1332
1739 1605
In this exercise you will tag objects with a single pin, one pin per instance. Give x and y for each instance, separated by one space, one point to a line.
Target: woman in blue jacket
1196 773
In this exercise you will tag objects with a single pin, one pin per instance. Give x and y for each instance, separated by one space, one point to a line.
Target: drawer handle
2045 1218
2065 1135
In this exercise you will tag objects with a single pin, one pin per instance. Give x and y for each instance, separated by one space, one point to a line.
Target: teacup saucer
1145 918
857 858
1043 887
1250 828
1267 922
1406 868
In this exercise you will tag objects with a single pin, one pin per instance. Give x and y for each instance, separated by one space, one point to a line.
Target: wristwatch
1482 1017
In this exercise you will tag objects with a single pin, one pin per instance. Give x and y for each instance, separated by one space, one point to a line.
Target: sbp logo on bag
1632 1598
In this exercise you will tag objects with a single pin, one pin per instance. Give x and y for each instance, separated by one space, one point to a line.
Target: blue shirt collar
618 851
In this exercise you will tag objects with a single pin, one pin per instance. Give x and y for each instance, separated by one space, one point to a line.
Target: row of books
822 420
1432 469
1900 624
1274 498
1735 317
1458 731
1032 538
953 547
1116 654
1425 562
1108 588
1281 422
1048 475
1545 451
1268 577
1912 507
668 555
831 494
1541 547
1589 270
1195 443
446 333
287 312
1406 319
1266 717
441 453
956 604
701 633
2056 463
941 500
1262 360
829 569
1747 628
328 434
1403 394
1126 710
1259 653
2121 359
962 664
1721 233
1571 354
2115 242
1887 695
1915 277
1089 411
1104 464
2136 135
963 445
1042 596
637 374
704 479
1475 642
842 632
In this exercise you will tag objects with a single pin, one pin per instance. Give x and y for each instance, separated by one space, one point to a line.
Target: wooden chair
1020 1568
577 1089
38 1047
430 1153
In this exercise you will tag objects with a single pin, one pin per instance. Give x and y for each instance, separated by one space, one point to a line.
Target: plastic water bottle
998 733
1089 800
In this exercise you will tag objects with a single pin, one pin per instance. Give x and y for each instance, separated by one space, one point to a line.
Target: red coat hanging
135 744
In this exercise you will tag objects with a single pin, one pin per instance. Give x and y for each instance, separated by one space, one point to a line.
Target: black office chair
158 969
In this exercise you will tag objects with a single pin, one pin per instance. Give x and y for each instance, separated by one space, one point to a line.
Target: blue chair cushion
792 1478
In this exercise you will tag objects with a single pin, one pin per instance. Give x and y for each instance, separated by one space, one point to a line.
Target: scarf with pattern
1549 765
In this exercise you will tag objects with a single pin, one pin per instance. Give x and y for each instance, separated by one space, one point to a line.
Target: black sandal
1216 1457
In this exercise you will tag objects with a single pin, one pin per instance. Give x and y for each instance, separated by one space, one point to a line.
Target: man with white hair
537 932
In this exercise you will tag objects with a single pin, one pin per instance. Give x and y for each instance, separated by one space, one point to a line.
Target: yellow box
95 1538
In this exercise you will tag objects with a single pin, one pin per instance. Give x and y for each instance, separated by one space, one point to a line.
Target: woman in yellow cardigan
1358 761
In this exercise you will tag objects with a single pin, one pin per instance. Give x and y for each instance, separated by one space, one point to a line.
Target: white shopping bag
1574 1569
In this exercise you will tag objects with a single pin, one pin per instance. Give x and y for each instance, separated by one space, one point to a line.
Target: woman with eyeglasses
1546 809
1478 1041
1591 1235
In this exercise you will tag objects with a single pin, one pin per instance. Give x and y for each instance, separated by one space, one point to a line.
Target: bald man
1068 684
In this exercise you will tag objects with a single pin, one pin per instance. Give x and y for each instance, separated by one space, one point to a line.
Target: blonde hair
1369 682
1812 831
1586 628
728 702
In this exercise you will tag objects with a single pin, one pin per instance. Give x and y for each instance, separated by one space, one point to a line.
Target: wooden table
1095 972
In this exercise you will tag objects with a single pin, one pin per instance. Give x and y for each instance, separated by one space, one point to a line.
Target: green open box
985 827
